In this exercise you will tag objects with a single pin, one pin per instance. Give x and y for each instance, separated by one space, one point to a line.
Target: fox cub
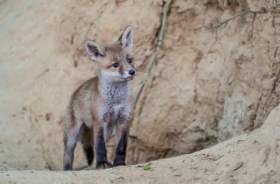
102 104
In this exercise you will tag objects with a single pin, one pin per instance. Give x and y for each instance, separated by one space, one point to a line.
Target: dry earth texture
207 85
249 158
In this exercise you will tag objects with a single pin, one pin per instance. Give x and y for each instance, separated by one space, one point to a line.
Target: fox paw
104 165
119 162
67 167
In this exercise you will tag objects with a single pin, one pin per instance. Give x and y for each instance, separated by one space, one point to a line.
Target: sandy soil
253 158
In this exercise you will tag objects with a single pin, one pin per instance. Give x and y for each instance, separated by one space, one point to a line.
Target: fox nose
131 72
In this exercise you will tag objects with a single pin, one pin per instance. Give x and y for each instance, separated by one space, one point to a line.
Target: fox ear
126 39
94 49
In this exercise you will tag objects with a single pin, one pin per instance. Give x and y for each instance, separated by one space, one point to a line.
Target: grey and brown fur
102 104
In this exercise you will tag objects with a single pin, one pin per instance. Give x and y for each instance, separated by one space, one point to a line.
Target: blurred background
204 87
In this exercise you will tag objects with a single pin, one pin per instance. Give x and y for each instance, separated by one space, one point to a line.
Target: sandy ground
249 158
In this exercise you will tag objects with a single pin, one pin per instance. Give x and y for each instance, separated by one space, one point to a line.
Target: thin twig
215 28
155 53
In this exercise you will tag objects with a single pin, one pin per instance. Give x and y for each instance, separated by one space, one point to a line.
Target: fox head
114 63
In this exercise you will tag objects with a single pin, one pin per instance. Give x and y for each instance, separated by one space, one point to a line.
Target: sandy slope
252 158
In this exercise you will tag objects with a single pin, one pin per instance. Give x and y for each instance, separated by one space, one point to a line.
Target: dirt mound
253 158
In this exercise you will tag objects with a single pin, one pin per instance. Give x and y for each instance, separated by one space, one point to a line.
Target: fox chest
116 107
118 113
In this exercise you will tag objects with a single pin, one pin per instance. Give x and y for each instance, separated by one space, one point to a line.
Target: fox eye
129 60
116 65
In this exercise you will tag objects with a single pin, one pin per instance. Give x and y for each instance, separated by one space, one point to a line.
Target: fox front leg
121 142
100 149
